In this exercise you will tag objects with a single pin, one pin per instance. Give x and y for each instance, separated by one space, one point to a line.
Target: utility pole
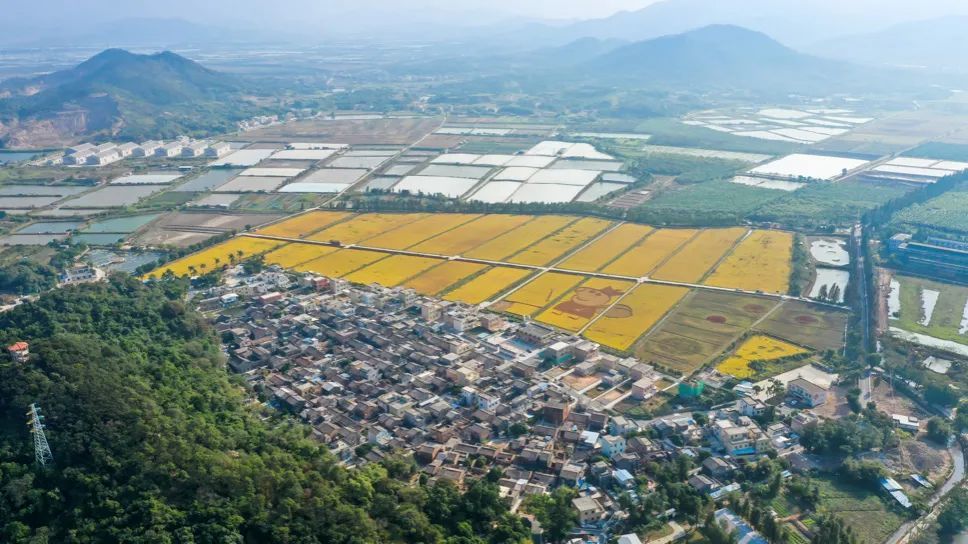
42 453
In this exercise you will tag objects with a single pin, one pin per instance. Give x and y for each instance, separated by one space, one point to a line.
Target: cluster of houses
375 370
88 154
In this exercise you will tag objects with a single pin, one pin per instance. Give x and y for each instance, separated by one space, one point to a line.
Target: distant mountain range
937 44
118 93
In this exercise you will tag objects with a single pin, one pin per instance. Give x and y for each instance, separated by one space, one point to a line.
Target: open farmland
818 327
365 226
511 242
293 255
414 232
694 259
839 203
697 203
114 196
303 225
442 277
236 249
537 294
486 286
392 270
702 326
644 256
341 262
569 238
471 235
584 303
400 131
607 248
943 316
760 262
636 314
756 351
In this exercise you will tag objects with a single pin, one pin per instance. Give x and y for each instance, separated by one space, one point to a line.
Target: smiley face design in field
588 301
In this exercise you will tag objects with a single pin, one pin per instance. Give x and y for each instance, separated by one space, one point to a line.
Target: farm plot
27 202
751 359
946 212
340 263
650 252
486 286
41 190
537 294
293 255
122 225
251 184
303 225
365 226
391 271
471 235
863 511
513 241
943 316
454 171
114 196
236 249
634 315
605 249
811 325
584 303
761 262
548 250
701 328
450 187
692 262
419 230
208 181
440 278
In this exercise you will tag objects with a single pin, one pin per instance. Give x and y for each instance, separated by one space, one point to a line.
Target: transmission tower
42 453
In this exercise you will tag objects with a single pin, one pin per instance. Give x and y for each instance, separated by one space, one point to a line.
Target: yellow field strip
537 294
634 315
692 262
513 241
600 252
365 226
418 231
644 256
441 277
471 235
584 303
295 254
340 263
393 270
757 348
555 246
488 285
304 225
760 262
210 259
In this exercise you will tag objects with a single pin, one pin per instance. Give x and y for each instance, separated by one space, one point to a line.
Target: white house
169 150
146 149
218 149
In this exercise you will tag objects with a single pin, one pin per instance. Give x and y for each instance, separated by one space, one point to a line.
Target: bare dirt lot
181 229
347 131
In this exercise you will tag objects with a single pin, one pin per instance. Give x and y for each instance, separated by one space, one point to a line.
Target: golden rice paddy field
210 259
340 263
511 242
634 315
553 247
694 260
419 230
537 294
760 262
364 226
293 255
470 235
487 285
303 225
584 303
393 270
441 277
644 256
599 253
757 348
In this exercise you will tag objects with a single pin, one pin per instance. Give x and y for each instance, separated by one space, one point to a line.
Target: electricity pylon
42 453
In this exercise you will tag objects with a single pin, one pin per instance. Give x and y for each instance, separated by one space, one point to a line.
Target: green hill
121 94
153 443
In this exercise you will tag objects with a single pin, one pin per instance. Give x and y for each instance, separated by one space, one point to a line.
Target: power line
42 453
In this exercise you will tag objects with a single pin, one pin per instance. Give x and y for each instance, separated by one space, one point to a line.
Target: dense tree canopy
152 443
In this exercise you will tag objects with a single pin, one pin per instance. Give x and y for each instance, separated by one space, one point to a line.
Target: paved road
904 532
644 279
